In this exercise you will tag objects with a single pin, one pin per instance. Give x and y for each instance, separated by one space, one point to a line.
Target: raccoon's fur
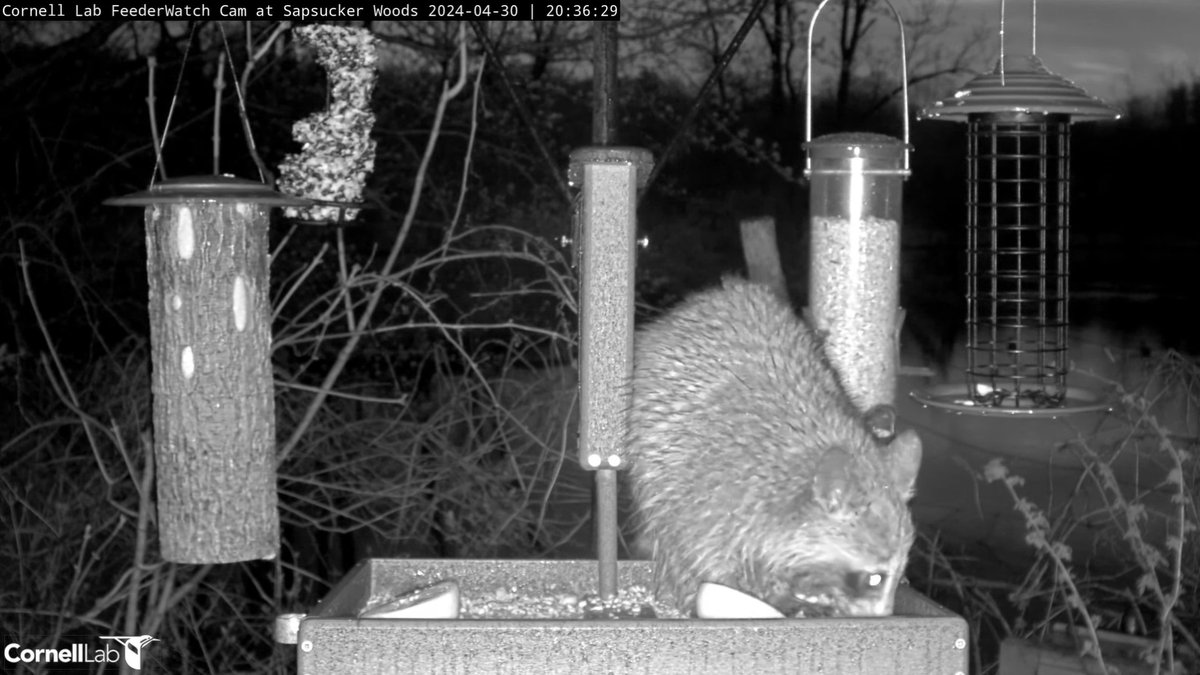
752 468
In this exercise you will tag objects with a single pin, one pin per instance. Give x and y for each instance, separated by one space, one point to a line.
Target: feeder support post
606 227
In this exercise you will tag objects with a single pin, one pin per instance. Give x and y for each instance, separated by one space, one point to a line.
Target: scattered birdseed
634 602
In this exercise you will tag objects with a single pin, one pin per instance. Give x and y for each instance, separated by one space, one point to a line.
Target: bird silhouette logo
133 647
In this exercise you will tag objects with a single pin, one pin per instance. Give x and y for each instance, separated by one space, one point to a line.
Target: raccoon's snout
860 593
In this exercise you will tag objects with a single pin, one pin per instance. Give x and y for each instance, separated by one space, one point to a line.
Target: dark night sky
1111 48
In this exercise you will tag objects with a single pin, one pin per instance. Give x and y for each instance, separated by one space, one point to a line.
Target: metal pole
604 120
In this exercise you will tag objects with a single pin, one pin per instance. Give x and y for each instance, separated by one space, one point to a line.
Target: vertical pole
604 83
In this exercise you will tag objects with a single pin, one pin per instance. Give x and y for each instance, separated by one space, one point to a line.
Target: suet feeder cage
337 152
210 344
855 211
1019 120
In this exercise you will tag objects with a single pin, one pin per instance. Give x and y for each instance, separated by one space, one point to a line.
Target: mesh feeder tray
958 399
922 637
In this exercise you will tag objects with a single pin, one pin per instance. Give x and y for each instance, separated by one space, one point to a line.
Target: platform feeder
210 346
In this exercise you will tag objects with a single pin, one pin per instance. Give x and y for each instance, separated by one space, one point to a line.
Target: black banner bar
297 10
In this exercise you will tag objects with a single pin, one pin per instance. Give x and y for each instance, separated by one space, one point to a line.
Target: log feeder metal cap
223 188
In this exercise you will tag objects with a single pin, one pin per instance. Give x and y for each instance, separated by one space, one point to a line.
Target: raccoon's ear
881 422
832 479
905 456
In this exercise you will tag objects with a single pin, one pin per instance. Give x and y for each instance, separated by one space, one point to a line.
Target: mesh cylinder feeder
854 256
1018 247
210 342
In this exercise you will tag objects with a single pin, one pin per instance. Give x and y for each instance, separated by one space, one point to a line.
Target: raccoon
750 466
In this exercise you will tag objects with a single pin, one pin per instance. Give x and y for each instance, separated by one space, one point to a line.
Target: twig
218 90
312 265
158 165
264 173
344 278
62 371
466 171
146 504
151 67
522 111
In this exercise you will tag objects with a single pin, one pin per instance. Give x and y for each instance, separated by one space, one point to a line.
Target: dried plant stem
1170 599
1037 536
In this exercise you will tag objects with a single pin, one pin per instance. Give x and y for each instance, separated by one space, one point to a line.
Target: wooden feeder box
210 339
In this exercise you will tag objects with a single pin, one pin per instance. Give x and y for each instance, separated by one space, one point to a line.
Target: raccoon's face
845 586
845 551
850 570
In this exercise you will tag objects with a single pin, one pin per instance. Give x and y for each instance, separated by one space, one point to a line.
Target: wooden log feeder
210 338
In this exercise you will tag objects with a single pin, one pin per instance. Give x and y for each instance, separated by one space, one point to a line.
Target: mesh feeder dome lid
223 188
1020 84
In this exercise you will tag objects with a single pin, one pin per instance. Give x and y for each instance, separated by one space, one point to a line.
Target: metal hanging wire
808 82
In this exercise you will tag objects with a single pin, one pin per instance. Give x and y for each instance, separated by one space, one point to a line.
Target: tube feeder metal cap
1020 84
223 188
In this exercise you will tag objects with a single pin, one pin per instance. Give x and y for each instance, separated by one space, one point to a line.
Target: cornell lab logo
133 647
80 653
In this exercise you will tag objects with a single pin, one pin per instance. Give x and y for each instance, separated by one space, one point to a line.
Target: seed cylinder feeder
210 341
1018 240
856 182
608 178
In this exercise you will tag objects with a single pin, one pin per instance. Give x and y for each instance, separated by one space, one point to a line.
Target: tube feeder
210 342
854 258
